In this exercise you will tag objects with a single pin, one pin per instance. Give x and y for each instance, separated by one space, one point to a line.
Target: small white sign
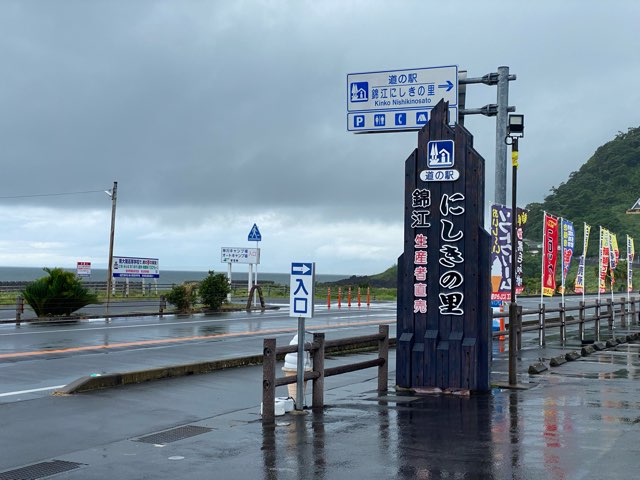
449 175
135 267
303 275
240 255
83 269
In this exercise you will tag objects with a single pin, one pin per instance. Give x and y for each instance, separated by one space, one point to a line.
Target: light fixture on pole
114 195
515 131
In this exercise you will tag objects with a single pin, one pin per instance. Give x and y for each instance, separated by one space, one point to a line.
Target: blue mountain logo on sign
360 92
254 234
421 118
440 154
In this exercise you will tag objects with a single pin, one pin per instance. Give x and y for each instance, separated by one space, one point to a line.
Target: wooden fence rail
319 372
626 311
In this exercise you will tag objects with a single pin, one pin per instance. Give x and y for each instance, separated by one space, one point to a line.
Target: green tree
59 293
213 290
184 296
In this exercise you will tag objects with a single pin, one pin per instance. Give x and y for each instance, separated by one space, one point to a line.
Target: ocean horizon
28 274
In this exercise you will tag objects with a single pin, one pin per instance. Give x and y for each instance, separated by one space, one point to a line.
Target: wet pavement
580 420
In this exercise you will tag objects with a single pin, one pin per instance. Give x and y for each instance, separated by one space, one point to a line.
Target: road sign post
254 236
303 275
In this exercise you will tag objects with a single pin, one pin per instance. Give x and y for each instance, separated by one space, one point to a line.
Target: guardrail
319 372
626 310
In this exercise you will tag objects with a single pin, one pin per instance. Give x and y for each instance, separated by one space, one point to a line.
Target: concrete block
572 356
537 368
587 350
599 346
557 361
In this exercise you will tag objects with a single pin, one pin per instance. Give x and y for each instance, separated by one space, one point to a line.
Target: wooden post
359 303
542 341
581 324
597 324
269 381
19 308
163 304
317 398
349 298
623 312
610 316
634 318
383 353
563 325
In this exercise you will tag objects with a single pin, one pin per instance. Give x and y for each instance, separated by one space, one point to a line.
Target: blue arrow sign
301 268
447 85
254 234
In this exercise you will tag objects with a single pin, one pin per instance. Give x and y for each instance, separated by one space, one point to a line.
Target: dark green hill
386 279
599 193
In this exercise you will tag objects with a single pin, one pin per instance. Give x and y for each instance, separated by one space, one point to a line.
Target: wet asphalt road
35 358
577 421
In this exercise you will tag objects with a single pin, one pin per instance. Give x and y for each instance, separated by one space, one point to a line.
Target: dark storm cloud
242 104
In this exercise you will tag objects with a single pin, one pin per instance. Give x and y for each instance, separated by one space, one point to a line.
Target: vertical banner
614 255
579 285
630 255
568 243
550 255
501 220
603 260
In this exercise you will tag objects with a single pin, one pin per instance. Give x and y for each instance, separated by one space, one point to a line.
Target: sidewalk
580 420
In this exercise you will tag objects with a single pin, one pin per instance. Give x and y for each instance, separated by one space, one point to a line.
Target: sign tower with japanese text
444 325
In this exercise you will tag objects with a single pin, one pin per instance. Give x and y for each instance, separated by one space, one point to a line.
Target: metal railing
624 310
318 373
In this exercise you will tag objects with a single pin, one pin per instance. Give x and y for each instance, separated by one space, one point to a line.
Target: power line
53 194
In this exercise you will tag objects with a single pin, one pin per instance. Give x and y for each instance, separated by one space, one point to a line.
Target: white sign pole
255 294
250 278
300 368
229 280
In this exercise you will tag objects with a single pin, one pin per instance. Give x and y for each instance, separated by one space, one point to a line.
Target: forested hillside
599 193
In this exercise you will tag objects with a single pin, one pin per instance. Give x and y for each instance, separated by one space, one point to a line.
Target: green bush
59 293
213 290
183 297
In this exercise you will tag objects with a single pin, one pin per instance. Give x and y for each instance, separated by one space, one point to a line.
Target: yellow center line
186 339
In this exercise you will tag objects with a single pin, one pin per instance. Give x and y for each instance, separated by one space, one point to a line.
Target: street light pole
114 195
513 306
515 130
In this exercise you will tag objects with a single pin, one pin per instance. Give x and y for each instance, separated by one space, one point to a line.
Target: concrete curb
109 380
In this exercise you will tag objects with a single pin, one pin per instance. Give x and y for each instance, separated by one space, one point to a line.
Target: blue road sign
254 234
440 154
399 93
422 117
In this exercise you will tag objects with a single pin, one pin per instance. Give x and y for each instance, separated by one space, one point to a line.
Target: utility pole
114 195
501 132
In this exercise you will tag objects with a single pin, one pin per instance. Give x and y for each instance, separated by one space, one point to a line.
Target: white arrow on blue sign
301 289
254 234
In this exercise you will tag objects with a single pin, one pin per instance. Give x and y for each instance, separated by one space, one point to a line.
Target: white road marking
20 392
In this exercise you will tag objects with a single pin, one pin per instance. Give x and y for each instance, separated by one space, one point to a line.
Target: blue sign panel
440 154
254 234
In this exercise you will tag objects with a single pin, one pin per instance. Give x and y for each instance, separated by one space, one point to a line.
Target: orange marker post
501 337
358 297
339 297
368 297
329 297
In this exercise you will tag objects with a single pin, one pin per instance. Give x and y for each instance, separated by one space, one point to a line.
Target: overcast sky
214 115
